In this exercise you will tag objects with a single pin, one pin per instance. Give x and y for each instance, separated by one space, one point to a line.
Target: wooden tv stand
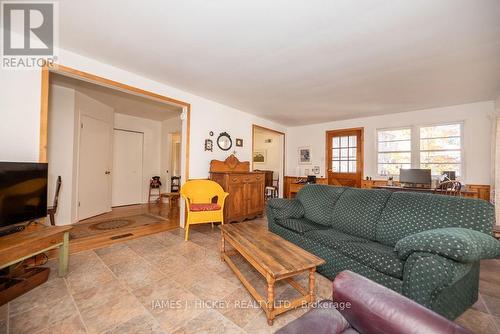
34 240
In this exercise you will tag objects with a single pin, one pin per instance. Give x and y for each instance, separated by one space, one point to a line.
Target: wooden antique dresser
245 188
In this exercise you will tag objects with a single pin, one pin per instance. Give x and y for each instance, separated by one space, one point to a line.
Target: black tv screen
23 192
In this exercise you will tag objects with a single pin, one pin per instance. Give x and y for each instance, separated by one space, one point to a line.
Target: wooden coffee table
275 258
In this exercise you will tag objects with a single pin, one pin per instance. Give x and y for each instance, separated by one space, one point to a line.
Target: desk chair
450 188
204 203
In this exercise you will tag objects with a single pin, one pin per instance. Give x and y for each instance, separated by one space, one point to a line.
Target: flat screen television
23 192
413 177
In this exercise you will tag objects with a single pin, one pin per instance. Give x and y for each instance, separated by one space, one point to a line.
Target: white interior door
94 195
127 167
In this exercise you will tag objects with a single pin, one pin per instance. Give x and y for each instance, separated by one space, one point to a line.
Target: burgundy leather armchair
360 305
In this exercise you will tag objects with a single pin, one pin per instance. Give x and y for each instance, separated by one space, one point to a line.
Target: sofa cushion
357 211
372 254
299 225
375 255
318 201
332 238
408 213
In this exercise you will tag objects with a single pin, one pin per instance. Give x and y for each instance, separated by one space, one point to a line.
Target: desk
463 193
292 185
34 240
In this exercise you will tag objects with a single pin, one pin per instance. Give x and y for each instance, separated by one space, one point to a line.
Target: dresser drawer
236 178
245 178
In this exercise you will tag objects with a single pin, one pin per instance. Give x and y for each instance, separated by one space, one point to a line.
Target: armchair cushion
459 244
286 208
195 207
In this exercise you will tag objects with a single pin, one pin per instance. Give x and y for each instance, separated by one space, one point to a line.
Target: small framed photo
259 156
304 155
209 144
239 142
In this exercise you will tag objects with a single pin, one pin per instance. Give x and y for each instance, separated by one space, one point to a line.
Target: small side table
22 245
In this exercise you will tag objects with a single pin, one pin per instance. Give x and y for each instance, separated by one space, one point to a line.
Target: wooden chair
204 202
154 184
450 188
51 210
273 190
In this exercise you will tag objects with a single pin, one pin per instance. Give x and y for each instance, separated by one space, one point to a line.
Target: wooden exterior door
344 152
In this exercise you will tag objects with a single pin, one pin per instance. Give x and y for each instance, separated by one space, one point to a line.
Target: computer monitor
414 177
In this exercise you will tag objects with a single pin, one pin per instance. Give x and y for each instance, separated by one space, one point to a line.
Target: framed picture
209 145
259 156
239 142
304 155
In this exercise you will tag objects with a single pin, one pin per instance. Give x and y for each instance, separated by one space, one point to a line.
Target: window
441 148
394 150
436 147
344 154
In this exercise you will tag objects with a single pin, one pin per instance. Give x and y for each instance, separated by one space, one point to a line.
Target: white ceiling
299 62
122 103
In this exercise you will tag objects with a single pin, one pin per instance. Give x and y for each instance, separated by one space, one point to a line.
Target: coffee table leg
270 301
311 284
64 255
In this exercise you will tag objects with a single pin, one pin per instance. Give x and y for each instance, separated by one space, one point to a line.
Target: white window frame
462 153
415 144
412 130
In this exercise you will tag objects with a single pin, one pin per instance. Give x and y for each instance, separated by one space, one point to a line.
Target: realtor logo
28 33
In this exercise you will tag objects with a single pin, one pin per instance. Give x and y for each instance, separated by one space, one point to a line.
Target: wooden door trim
362 148
81 75
255 126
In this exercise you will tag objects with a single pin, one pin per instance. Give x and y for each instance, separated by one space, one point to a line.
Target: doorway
268 155
76 110
345 157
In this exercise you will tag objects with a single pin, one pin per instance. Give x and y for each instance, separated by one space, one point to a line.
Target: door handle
107 172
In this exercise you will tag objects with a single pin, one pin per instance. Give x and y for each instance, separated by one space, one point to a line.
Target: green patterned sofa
425 246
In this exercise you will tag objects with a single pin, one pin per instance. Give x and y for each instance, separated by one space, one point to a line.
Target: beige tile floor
161 284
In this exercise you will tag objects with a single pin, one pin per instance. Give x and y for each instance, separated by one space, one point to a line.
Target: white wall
61 150
19 115
152 142
478 119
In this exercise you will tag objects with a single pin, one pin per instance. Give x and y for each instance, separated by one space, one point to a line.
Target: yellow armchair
199 195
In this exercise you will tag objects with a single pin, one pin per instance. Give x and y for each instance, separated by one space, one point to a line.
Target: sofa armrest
376 309
323 319
459 244
286 208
